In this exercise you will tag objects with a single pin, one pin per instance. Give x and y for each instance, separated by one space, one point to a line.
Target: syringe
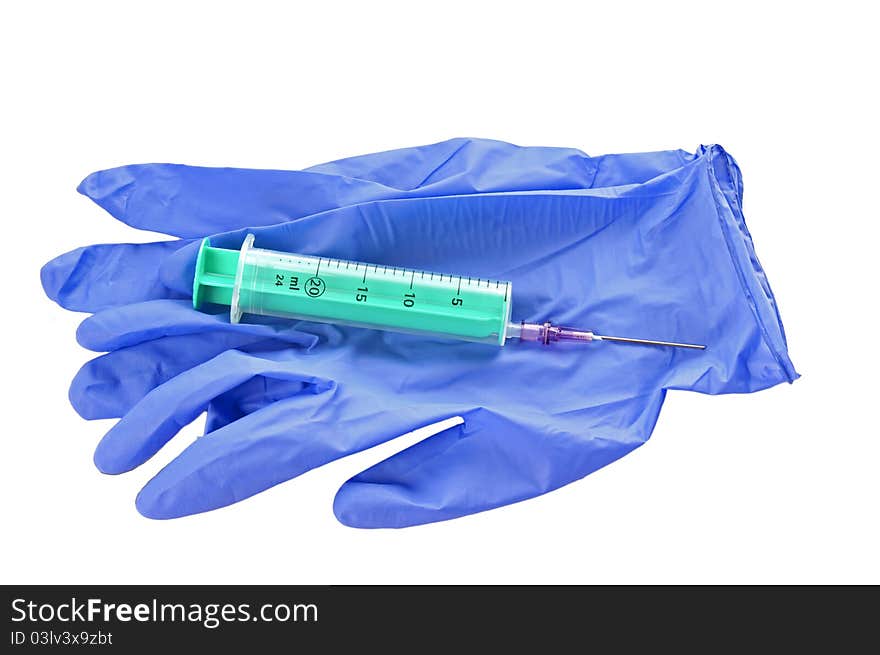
328 290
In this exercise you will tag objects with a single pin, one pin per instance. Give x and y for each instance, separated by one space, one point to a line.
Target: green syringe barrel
327 290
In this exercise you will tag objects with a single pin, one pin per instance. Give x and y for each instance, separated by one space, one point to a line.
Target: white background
778 486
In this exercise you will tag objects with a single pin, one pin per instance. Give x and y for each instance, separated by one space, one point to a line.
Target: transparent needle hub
330 290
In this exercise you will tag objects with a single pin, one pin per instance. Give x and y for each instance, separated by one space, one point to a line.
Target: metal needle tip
650 342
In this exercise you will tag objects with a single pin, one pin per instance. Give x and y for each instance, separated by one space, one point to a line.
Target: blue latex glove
668 256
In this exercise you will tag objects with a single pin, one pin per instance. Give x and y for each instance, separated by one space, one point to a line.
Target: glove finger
192 201
492 460
161 413
96 277
271 445
125 326
110 385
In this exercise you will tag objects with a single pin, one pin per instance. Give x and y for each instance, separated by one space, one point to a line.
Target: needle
650 342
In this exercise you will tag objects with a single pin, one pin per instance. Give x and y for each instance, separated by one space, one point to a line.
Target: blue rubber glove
667 257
